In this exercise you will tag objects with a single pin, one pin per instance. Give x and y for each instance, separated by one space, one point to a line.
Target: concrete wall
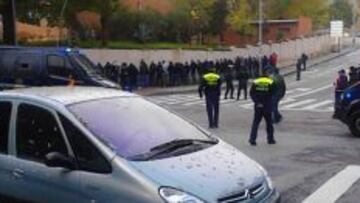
288 52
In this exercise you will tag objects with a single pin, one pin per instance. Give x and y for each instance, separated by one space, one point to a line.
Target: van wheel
354 124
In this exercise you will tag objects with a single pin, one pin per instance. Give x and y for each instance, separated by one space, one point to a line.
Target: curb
288 73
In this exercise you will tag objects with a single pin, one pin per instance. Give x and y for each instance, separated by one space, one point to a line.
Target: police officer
211 85
261 93
279 91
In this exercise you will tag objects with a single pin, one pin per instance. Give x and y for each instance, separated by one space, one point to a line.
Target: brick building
273 31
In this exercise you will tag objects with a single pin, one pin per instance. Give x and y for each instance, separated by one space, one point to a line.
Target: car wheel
354 124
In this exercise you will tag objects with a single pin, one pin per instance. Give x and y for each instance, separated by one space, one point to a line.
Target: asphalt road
312 147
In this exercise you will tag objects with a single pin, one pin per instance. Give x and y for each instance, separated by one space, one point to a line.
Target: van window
87 155
37 133
5 114
57 66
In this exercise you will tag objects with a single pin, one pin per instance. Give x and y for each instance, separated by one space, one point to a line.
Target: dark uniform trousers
212 108
242 87
229 88
261 111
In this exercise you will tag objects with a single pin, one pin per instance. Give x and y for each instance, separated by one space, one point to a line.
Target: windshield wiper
170 147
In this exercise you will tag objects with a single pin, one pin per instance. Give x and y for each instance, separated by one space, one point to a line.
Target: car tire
354 124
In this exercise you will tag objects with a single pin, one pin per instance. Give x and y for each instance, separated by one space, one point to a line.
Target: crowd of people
168 74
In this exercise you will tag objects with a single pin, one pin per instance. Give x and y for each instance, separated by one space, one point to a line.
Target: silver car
99 145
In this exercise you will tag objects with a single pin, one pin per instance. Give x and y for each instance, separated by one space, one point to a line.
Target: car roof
64 95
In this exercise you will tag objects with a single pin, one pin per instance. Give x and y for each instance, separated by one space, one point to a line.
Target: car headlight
172 195
267 177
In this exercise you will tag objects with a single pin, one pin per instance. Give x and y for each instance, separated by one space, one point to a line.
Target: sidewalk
284 70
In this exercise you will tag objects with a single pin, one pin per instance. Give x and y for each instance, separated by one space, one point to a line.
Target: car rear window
133 126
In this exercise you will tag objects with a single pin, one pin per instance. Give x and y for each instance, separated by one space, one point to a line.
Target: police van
347 108
24 67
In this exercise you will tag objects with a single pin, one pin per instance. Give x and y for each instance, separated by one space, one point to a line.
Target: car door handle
18 173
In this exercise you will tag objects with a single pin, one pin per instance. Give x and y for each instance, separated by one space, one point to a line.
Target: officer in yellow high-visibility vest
261 93
211 85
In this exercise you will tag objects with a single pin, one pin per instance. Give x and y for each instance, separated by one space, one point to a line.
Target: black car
347 108
37 66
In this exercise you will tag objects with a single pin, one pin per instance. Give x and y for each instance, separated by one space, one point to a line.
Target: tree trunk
104 31
9 22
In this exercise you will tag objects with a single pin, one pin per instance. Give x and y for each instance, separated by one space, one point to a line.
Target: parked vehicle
347 109
22 67
88 144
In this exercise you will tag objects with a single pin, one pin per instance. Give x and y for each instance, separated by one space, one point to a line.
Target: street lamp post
62 22
260 33
354 21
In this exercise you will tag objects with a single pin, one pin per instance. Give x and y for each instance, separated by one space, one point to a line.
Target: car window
5 114
132 126
57 66
87 155
37 133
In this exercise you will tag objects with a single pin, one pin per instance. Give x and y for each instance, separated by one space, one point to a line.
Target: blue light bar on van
71 50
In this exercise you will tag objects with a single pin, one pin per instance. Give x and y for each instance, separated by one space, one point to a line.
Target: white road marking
286 100
299 103
313 91
303 89
320 104
334 188
190 103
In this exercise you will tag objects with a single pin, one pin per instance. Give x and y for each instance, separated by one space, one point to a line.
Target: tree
105 8
317 10
219 13
342 10
240 16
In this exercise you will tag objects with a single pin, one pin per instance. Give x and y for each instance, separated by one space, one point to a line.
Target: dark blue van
347 108
23 66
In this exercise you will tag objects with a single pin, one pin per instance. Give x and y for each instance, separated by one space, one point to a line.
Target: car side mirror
56 159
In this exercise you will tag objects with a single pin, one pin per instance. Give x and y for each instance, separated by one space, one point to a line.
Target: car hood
210 174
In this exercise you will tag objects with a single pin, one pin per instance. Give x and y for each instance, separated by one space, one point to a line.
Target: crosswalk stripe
313 91
199 101
299 103
286 100
338 185
318 105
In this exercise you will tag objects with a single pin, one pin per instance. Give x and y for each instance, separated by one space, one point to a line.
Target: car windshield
84 63
133 126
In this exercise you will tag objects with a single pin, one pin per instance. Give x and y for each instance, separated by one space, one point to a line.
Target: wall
288 52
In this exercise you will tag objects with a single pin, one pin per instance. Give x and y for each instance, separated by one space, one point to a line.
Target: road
312 147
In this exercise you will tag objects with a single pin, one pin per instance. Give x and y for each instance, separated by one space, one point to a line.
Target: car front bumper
273 197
